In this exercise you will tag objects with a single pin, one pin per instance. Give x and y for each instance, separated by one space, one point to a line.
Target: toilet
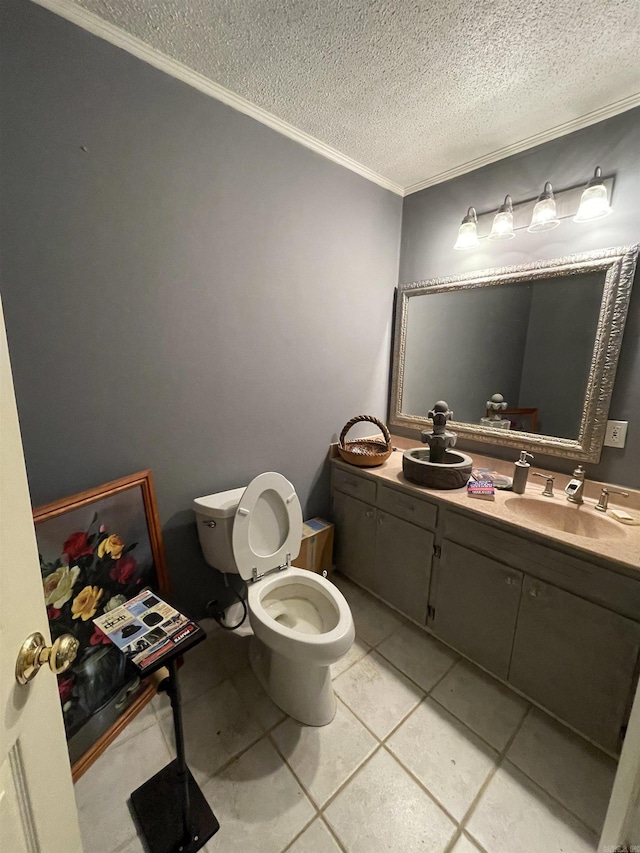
301 622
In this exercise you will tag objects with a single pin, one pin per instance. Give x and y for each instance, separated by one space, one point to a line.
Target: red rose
123 570
98 637
64 688
53 612
77 545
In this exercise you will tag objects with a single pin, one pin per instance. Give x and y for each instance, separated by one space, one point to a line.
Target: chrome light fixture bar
579 203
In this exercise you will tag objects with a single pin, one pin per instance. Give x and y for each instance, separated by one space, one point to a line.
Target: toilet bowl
300 620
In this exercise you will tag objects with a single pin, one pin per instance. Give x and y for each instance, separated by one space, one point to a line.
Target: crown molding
97 26
530 142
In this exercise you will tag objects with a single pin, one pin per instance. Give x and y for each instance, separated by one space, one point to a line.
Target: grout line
341 788
501 756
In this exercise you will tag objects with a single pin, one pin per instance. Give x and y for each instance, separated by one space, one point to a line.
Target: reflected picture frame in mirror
617 266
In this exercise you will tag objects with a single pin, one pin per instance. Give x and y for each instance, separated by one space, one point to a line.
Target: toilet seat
267 527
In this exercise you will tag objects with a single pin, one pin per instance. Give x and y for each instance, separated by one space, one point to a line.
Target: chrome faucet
548 488
575 486
603 503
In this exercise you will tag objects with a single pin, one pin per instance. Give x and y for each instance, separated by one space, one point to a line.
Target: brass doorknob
35 652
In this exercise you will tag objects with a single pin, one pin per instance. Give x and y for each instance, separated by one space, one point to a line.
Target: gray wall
194 293
431 219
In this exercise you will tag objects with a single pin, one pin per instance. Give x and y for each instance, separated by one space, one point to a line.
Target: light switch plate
616 433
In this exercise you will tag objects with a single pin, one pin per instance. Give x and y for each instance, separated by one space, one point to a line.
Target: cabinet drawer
408 507
354 485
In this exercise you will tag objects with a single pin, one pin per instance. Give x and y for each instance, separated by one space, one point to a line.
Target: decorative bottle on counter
521 472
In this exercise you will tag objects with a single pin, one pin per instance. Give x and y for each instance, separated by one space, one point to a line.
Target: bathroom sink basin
576 520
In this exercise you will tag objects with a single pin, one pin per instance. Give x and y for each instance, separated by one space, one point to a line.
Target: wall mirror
544 335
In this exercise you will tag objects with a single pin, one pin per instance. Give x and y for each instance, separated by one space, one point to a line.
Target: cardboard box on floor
316 549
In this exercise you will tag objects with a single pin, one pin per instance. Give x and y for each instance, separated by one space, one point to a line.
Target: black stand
171 809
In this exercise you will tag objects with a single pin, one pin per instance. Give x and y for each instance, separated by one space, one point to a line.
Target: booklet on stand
146 628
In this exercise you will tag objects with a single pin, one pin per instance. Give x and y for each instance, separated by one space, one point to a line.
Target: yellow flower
85 603
112 545
58 586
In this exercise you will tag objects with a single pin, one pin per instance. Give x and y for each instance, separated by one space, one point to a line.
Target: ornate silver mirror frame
618 267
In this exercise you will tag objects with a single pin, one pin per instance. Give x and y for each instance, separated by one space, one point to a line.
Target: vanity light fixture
502 228
467 233
544 213
594 203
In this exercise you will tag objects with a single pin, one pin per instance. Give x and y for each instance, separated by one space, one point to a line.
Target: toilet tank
214 518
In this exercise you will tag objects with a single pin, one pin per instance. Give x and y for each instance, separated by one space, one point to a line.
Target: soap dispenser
521 472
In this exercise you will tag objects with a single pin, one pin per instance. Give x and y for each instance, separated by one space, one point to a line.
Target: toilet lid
267 525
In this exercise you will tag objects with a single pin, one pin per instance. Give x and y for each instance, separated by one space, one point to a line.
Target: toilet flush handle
243 511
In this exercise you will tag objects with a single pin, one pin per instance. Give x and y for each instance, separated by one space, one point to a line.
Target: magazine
145 628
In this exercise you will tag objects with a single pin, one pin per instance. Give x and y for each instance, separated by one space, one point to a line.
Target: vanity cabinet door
355 532
402 567
577 659
475 604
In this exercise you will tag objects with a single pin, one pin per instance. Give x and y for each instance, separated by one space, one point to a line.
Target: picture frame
97 549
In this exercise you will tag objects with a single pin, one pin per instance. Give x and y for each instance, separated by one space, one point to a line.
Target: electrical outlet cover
616 433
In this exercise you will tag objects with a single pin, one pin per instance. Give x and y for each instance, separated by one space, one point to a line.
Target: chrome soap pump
521 472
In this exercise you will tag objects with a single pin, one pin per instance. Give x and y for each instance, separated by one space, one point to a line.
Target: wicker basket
365 452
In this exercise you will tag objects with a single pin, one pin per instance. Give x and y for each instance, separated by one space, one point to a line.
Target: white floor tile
258 802
514 814
217 726
103 791
383 809
373 620
419 655
377 693
357 651
315 839
133 845
486 706
220 656
449 760
570 769
143 720
323 757
256 701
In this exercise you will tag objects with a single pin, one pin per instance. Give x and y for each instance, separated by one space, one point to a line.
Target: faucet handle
548 487
603 503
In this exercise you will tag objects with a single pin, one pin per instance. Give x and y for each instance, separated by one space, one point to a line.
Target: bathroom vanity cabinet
563 629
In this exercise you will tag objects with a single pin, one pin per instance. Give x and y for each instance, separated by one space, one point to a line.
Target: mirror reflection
530 342
525 355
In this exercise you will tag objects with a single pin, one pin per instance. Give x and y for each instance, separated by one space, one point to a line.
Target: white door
37 807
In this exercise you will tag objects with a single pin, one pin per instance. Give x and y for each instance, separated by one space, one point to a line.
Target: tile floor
426 753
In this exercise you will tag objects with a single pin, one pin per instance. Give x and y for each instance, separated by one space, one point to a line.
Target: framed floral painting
97 549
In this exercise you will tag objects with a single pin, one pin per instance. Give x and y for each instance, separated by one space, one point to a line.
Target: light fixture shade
594 203
544 213
502 228
468 233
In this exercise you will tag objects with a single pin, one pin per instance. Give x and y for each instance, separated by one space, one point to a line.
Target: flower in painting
115 600
98 637
85 603
123 570
112 545
58 586
76 546
64 688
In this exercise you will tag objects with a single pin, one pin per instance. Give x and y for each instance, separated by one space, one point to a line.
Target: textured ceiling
411 90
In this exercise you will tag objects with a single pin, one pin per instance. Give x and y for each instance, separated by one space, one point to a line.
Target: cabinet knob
368 513
534 592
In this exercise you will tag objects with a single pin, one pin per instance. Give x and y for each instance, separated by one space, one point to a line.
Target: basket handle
358 418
